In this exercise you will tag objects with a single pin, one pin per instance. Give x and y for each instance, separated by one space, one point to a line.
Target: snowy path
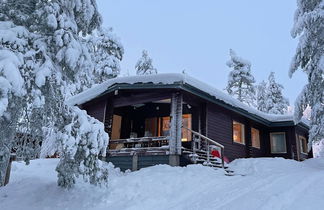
268 184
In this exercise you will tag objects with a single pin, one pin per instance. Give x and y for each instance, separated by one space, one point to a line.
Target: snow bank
264 183
172 78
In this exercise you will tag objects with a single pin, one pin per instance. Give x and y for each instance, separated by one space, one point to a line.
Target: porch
164 128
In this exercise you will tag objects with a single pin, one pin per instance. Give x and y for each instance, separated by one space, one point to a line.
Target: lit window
186 122
303 144
278 142
238 132
164 126
255 134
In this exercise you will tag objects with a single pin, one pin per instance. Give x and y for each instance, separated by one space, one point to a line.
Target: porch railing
142 144
203 144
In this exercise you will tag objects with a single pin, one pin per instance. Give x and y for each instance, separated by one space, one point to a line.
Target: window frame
284 133
301 138
242 130
259 138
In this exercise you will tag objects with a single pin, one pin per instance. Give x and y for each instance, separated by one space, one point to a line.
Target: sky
196 36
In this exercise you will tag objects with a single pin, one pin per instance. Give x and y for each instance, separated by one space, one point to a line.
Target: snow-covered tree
276 103
309 56
240 80
144 65
48 51
261 98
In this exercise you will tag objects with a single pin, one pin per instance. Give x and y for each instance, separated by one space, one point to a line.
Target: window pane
186 122
255 138
164 126
278 142
238 132
150 127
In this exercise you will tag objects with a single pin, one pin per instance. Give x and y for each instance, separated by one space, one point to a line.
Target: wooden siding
96 109
219 128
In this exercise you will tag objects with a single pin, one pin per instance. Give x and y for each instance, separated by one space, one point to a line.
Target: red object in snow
215 153
226 160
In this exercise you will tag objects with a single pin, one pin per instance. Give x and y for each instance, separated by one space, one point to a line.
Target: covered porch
159 127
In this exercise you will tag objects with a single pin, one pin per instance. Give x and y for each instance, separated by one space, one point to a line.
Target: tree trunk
4 166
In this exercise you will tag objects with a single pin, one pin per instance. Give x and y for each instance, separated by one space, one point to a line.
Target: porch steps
200 157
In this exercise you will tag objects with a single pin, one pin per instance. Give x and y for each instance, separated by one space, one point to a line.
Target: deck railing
204 144
139 145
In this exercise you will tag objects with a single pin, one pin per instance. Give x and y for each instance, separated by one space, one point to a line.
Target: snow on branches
50 50
144 65
240 80
309 56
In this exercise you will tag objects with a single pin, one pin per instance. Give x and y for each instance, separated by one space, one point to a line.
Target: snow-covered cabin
175 119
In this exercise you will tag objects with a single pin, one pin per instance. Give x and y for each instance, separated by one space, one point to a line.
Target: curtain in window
278 143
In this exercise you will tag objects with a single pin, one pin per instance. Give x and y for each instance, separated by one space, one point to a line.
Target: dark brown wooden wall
96 109
219 128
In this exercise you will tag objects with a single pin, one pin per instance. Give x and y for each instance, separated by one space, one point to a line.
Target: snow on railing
205 143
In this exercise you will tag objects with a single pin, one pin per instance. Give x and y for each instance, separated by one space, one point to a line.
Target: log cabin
177 120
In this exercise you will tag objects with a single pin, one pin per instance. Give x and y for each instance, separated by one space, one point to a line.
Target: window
164 126
303 144
151 126
278 142
238 132
186 122
255 135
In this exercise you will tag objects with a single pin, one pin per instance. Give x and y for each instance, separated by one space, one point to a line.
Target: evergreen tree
275 102
309 56
240 80
48 51
144 65
261 98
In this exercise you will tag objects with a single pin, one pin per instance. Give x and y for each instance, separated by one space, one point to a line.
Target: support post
176 124
135 162
175 129
109 113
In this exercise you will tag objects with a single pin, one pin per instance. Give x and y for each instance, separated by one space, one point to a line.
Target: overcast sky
197 35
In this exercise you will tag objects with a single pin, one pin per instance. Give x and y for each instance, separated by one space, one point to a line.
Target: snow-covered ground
262 183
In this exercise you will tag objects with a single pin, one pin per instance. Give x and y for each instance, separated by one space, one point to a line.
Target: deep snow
260 183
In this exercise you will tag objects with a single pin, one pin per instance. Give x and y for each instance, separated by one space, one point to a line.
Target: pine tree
144 65
48 51
261 97
240 80
309 56
275 102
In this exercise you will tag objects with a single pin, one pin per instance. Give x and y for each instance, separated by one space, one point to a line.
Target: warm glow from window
303 144
186 122
238 132
255 135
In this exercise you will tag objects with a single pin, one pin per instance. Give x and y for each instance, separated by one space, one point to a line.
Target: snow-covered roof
174 78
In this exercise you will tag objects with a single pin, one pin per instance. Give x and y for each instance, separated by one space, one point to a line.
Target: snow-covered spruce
309 56
261 96
240 80
144 65
47 54
276 103
82 141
